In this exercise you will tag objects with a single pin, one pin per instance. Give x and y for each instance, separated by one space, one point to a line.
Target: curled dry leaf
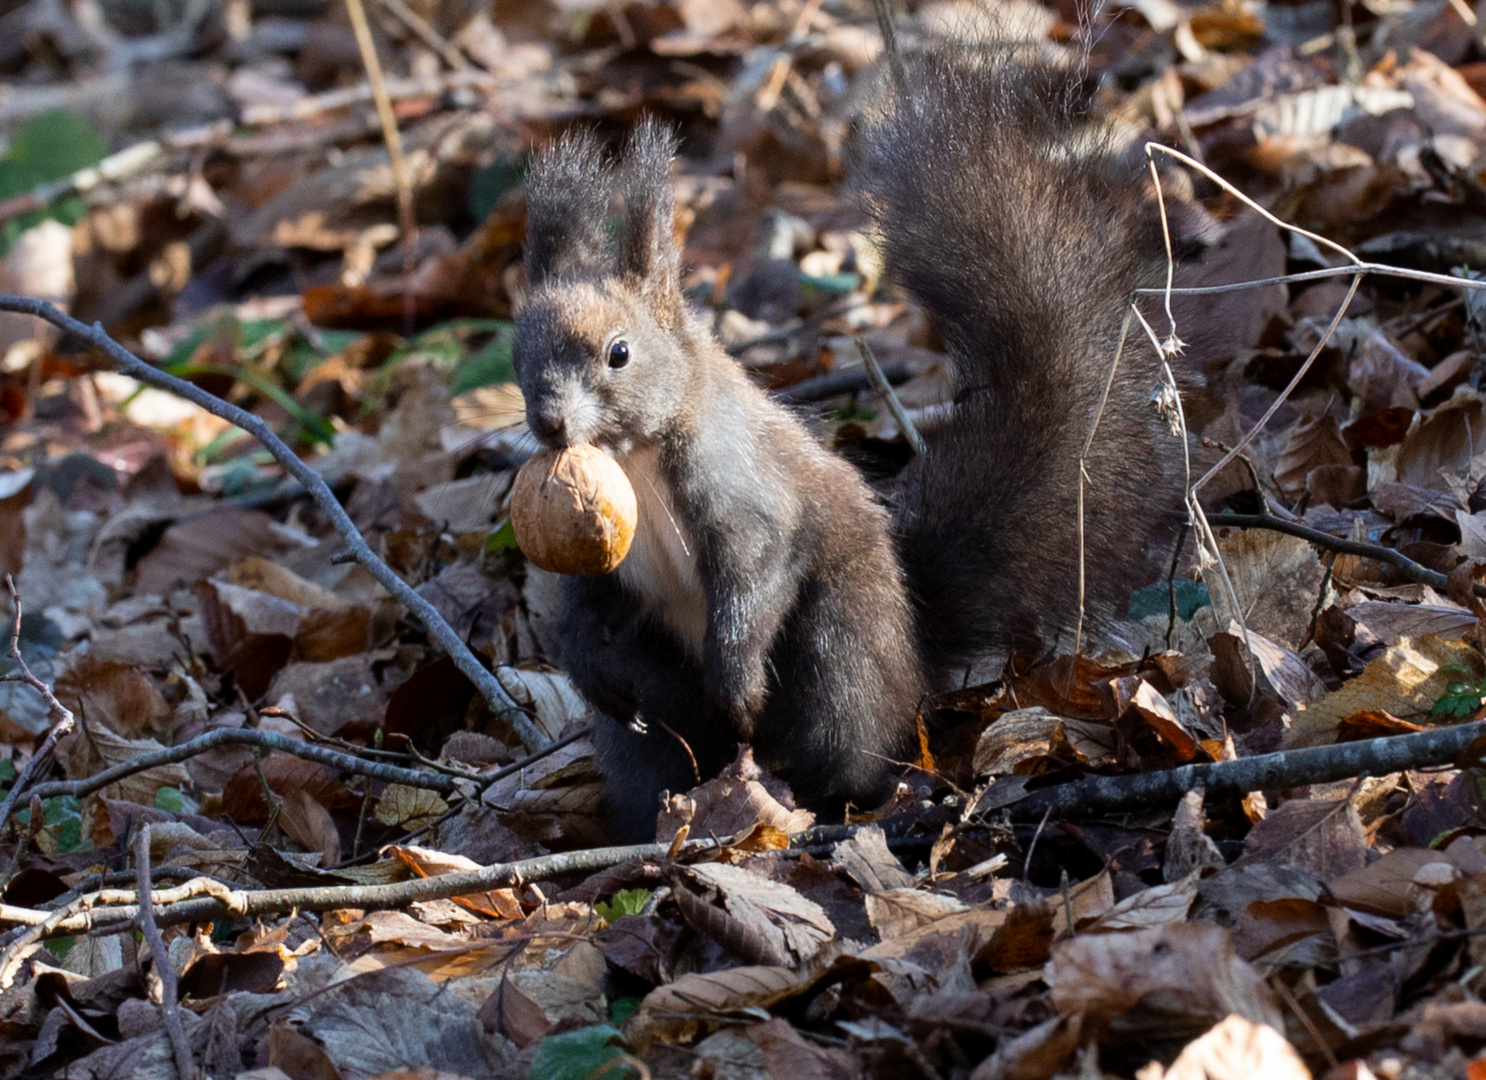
866 858
1312 442
1030 734
899 912
733 803
1285 677
532 1003
115 695
750 915
1156 983
1315 836
328 628
549 697
426 862
1160 905
677 1007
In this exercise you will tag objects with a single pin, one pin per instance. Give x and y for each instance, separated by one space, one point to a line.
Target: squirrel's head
601 351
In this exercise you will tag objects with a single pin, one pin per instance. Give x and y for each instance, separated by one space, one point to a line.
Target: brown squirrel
769 597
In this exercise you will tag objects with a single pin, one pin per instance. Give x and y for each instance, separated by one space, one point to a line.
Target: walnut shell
574 511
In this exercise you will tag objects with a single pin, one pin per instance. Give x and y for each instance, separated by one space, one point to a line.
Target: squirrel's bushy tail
1024 237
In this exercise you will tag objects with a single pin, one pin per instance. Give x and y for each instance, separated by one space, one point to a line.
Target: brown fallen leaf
310 826
750 915
1156 984
1405 681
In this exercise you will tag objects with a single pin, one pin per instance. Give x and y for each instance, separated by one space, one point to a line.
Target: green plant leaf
580 1055
625 902
502 539
49 147
487 367
621 1009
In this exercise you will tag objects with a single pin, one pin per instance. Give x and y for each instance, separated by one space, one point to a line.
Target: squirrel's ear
568 189
648 252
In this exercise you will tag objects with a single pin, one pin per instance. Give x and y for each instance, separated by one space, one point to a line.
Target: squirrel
769 596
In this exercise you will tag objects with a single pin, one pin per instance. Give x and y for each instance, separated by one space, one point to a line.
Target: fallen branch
257 903
170 1007
436 626
269 740
343 97
1262 772
1396 559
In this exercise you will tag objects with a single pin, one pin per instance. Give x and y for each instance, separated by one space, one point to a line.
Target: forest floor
365 864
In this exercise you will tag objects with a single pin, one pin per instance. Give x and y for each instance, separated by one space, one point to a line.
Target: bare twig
393 138
1285 769
1396 559
839 382
437 627
270 740
1349 270
420 28
885 391
170 1009
65 719
253 904
344 97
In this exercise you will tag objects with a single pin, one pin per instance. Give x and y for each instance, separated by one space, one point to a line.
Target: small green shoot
1463 695
625 902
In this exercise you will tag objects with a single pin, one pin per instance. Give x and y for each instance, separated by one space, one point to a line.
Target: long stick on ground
500 702
251 904
1262 772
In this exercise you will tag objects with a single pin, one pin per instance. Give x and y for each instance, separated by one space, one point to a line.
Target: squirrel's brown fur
1024 236
769 597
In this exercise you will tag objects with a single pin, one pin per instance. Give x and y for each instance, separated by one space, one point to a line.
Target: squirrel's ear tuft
567 198
647 253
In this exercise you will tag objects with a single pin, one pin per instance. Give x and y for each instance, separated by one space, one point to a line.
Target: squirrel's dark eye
618 354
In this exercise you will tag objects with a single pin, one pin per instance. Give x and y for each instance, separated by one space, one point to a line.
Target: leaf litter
209 183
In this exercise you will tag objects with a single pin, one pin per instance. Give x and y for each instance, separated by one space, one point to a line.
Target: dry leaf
1405 681
1236 1049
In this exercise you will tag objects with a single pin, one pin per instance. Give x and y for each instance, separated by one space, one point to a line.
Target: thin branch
420 28
1286 769
127 162
170 1008
436 626
833 383
257 903
885 390
393 138
1350 269
344 97
1397 559
270 740
65 719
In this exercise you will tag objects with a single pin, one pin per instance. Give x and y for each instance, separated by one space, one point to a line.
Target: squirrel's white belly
661 567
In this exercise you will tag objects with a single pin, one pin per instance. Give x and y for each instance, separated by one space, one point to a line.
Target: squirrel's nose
549 427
